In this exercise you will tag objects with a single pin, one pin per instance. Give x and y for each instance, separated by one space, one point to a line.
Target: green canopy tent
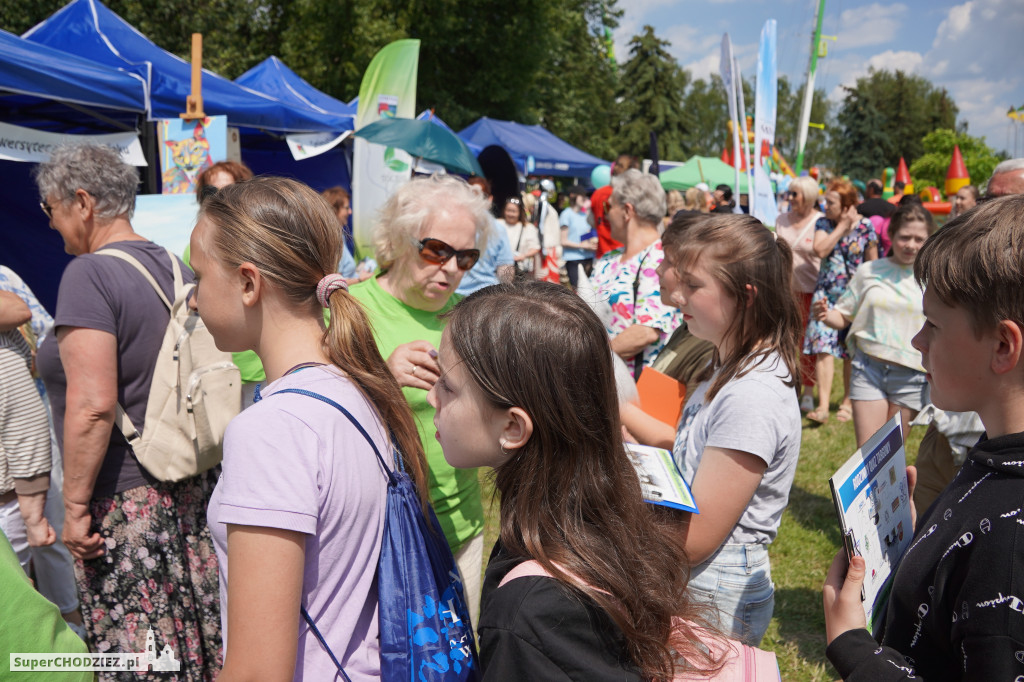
702 169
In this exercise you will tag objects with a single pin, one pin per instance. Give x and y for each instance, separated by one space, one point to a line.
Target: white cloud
975 56
955 25
874 24
903 60
703 68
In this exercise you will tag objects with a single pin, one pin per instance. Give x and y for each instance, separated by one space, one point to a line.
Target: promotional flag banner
746 131
762 201
388 90
726 66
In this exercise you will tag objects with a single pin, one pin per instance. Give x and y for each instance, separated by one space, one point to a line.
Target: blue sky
974 49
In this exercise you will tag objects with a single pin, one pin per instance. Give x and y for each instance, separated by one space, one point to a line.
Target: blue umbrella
424 140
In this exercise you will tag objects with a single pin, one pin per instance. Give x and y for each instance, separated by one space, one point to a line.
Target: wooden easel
194 102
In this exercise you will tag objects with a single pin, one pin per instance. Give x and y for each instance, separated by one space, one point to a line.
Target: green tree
864 145
18 16
575 94
330 43
707 112
885 116
930 169
651 90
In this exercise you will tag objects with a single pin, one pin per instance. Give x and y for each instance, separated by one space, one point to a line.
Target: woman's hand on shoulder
415 364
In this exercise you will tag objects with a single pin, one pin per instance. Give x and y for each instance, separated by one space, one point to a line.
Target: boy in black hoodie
956 610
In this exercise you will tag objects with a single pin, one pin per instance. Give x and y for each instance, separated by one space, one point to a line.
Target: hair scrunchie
327 286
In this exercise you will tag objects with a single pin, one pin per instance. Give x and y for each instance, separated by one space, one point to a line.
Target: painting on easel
187 148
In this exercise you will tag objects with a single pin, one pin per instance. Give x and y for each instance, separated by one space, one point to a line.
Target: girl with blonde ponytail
297 516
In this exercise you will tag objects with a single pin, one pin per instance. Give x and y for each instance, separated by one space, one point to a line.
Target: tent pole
147 137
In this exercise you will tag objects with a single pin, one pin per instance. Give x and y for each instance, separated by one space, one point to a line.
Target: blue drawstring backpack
425 633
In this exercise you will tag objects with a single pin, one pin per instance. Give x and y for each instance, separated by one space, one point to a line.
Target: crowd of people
455 352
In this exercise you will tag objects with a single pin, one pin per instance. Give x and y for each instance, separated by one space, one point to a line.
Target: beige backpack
196 391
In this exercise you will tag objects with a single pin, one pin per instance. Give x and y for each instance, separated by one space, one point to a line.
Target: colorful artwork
187 148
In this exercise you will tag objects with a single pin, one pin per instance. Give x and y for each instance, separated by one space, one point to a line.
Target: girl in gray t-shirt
739 436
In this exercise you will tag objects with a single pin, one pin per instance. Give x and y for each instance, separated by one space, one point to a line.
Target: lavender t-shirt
295 463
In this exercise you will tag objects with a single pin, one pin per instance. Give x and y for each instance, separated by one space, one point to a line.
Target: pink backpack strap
742 663
527 568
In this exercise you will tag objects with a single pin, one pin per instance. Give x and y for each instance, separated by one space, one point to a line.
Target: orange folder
661 396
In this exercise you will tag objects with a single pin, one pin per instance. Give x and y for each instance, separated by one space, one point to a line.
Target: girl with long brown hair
298 514
739 436
527 387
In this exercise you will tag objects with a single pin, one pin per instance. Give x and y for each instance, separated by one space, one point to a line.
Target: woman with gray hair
796 228
427 235
145 557
627 277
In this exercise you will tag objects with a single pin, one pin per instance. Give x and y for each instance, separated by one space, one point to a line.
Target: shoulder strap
130 259
323 643
121 420
355 423
527 568
391 477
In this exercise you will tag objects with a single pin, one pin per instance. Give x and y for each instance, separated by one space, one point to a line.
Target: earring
505 452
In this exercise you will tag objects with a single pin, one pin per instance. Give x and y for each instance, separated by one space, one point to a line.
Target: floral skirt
819 337
159 571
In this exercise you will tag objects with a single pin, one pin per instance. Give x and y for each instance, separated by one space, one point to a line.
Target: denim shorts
737 581
874 379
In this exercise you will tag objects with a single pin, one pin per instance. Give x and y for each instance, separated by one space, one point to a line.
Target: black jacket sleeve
857 657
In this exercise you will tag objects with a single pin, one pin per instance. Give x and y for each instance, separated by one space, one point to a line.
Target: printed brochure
660 478
872 500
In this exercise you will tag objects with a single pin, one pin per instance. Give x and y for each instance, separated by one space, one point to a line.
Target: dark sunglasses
791 195
47 209
437 252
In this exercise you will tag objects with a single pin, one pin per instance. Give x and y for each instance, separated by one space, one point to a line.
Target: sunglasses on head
437 252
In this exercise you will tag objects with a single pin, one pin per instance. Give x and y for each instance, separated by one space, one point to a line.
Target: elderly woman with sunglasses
428 234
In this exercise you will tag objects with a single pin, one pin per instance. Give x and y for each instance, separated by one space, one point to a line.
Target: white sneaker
807 403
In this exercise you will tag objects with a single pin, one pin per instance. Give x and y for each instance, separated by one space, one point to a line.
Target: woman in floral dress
843 240
627 278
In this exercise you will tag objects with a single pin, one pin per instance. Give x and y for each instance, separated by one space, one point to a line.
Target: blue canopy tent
54 91
273 77
91 29
550 154
50 89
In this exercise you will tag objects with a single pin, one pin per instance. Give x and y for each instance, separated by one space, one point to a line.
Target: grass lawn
808 539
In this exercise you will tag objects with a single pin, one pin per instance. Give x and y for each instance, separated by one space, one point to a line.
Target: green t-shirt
32 624
455 493
248 363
